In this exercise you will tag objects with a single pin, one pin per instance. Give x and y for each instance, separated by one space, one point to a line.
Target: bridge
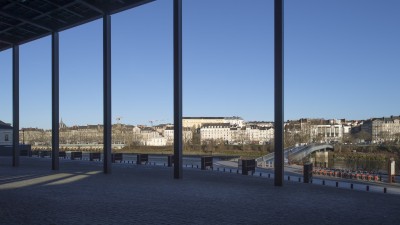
295 153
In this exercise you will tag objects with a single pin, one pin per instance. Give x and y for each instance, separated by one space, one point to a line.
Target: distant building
266 134
260 123
327 132
382 129
6 133
231 134
318 130
161 127
216 131
150 137
169 135
62 124
234 121
198 122
155 141
258 135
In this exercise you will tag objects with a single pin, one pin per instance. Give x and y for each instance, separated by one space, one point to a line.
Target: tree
364 136
289 139
384 136
396 138
349 138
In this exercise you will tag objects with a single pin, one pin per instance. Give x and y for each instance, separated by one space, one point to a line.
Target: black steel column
15 60
15 105
177 89
55 133
107 93
279 110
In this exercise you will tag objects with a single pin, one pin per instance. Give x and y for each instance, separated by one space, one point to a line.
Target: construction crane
152 122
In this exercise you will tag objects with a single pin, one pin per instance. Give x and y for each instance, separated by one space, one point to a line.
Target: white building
328 133
253 133
169 134
148 136
6 134
266 134
216 131
260 123
155 141
236 135
260 135
198 122
319 130
234 121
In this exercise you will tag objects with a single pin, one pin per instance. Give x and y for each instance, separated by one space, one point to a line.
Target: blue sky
342 60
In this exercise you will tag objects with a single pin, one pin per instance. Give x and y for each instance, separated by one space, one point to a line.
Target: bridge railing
294 152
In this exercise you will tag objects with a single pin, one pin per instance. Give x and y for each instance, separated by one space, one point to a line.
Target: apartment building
382 129
169 134
231 134
318 130
216 131
198 122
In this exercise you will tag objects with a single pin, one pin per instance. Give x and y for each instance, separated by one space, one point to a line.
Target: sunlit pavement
81 194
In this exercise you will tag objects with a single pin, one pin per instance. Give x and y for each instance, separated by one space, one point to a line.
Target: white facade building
155 141
234 121
328 133
169 135
236 135
253 134
266 134
319 130
217 131
198 122
149 136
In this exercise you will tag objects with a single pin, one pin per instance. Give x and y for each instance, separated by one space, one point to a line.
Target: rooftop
201 117
5 125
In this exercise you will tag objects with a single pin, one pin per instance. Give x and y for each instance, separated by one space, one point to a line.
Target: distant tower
62 124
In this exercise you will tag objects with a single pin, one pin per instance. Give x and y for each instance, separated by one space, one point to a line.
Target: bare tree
289 139
363 135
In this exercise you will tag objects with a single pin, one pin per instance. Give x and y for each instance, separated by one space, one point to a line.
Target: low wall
7 150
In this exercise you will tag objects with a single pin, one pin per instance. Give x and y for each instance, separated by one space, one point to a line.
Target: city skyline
222 130
154 123
342 65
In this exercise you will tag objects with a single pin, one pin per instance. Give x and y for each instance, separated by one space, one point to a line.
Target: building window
6 137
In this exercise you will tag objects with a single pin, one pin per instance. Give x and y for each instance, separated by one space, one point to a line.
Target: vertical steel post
279 107
107 93
177 89
55 164
15 61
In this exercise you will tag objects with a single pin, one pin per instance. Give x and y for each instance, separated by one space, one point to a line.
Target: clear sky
342 60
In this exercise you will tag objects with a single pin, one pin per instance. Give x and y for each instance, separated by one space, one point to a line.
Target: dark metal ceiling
22 21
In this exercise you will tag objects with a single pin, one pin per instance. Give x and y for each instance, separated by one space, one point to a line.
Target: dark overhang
22 21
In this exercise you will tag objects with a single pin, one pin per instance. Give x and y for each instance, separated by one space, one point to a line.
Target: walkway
80 194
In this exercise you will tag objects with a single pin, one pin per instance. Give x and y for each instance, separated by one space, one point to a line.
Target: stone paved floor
81 194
